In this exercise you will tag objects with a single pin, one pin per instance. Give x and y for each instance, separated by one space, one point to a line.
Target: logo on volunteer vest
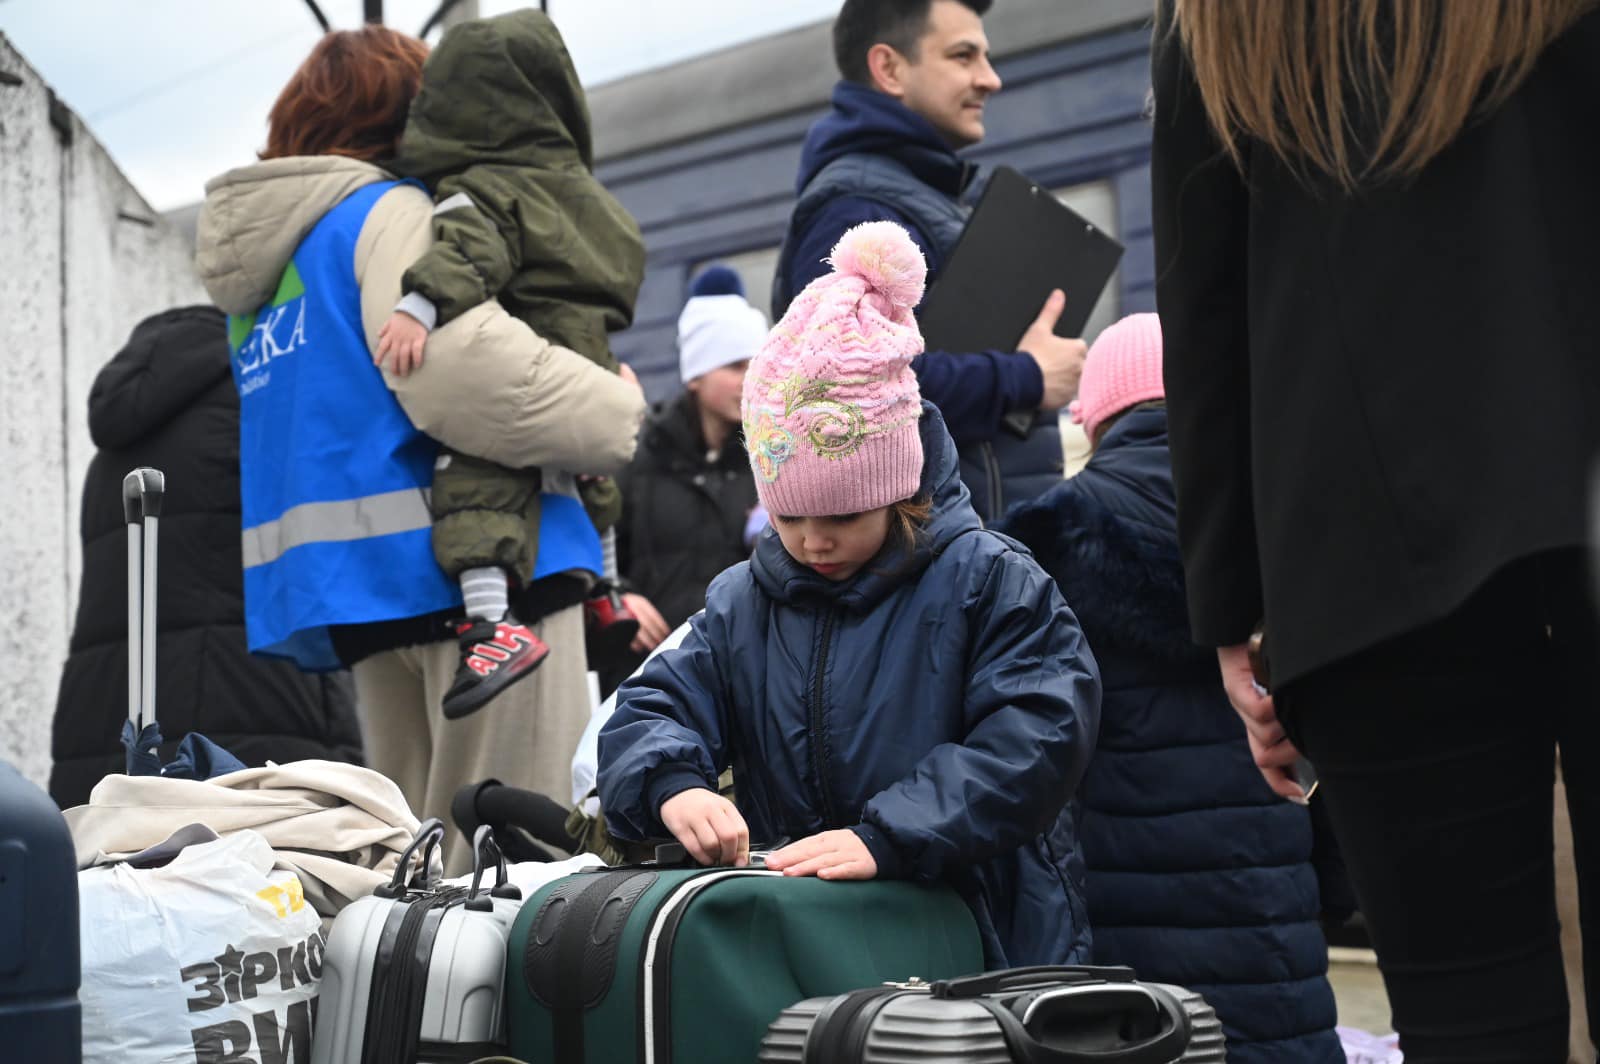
276 331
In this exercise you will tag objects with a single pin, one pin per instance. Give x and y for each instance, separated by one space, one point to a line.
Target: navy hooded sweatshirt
942 703
1198 874
972 390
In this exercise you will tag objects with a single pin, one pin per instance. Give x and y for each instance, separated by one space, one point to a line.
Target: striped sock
484 591
608 554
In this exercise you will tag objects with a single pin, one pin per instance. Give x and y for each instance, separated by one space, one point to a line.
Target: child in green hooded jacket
500 134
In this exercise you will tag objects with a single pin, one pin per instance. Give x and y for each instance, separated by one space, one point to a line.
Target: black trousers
1436 752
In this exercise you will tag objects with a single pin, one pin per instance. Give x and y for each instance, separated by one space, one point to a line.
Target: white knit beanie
716 331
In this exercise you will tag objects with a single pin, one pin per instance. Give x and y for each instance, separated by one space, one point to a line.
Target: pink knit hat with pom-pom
830 402
1122 369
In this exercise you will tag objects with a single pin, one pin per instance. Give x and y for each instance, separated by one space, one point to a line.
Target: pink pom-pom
883 255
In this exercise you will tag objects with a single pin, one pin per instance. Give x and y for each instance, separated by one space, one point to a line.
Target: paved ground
1358 988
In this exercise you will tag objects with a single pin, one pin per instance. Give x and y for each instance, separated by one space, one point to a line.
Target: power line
161 87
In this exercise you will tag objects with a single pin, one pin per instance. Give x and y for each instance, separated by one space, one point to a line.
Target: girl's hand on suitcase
829 855
709 827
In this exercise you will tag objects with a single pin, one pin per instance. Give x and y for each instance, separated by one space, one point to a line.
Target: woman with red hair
305 250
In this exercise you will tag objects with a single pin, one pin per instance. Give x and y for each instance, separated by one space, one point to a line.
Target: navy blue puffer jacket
942 703
1197 873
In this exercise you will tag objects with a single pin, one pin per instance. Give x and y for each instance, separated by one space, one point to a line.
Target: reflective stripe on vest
336 522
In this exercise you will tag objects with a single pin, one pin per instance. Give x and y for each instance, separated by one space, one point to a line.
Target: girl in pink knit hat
899 692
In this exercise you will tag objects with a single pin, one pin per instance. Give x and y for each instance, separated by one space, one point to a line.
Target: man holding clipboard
916 76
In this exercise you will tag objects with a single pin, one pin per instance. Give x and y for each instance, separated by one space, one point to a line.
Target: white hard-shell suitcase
415 974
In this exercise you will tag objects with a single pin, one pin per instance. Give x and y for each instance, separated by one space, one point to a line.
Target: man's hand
1274 754
829 855
1060 359
652 626
709 826
402 336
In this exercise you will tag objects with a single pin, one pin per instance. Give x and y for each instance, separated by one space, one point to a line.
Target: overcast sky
178 90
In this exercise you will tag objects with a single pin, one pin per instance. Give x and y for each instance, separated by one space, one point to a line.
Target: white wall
82 259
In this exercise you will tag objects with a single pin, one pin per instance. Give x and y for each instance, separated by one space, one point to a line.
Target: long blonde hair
1293 74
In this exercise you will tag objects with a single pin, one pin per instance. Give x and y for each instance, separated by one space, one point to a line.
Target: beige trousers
524 738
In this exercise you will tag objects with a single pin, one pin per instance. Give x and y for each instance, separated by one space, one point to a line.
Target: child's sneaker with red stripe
493 657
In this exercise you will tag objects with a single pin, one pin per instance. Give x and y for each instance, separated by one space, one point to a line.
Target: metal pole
372 11
316 13
449 14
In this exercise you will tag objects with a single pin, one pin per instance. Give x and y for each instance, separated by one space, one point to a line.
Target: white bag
213 959
586 759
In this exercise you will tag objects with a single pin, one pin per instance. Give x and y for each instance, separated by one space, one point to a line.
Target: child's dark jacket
500 134
943 703
1198 874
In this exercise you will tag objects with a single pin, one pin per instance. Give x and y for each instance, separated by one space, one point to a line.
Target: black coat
1197 873
683 516
167 400
1378 400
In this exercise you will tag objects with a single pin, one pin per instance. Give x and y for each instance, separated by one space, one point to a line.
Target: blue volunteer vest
333 475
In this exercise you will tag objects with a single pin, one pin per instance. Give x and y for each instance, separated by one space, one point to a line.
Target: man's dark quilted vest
999 473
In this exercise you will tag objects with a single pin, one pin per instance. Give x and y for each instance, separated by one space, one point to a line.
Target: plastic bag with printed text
213 957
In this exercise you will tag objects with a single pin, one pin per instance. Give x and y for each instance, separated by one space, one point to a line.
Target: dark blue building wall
1069 113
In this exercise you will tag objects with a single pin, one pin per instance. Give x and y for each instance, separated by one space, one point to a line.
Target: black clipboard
1020 243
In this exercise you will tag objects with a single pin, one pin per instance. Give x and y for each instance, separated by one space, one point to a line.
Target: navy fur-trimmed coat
941 703
1197 873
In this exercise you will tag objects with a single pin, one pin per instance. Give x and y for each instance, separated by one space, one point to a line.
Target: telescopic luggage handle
143 490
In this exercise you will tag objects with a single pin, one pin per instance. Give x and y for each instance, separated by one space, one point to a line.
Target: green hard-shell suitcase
659 964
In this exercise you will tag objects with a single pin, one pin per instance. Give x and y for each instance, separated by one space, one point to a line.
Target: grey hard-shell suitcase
415 974
1046 1015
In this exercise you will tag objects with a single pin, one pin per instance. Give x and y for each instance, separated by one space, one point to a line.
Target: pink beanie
1123 369
830 402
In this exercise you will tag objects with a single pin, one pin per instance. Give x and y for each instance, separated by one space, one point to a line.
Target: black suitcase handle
1163 1046
484 846
669 853
428 838
501 807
